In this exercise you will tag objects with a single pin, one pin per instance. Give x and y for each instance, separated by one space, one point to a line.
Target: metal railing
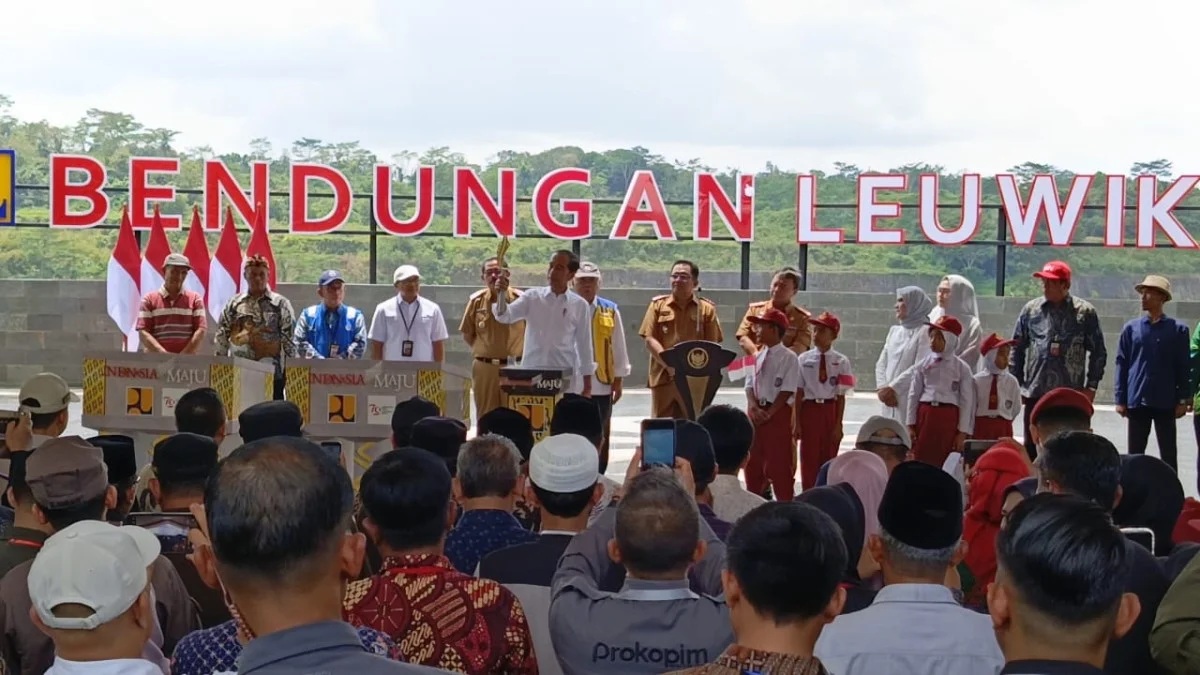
1001 242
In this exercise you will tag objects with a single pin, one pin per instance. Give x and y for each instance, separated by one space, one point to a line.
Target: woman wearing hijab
905 346
997 469
1151 497
956 298
868 475
841 503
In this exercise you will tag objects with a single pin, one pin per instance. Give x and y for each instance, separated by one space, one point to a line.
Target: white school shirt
558 332
621 366
392 328
775 370
902 349
1008 396
810 374
944 379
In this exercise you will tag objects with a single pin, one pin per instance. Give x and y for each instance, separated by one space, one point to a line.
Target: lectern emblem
343 408
697 358
139 401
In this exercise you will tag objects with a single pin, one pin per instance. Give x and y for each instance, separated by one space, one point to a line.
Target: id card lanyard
406 347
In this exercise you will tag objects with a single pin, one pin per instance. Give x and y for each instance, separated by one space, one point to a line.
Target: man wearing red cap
769 392
997 392
941 400
825 377
1058 343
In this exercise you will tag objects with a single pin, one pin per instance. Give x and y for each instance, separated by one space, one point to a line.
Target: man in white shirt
915 626
558 329
408 327
608 341
91 594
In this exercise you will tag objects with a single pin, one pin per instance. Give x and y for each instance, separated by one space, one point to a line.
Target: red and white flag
196 251
740 368
224 272
124 272
155 255
260 244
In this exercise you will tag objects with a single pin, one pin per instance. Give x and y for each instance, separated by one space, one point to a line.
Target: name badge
406 348
1056 349
333 351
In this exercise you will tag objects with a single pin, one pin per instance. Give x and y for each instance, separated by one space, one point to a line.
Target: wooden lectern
135 393
351 401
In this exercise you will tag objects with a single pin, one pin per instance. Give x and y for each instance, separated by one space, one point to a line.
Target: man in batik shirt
258 324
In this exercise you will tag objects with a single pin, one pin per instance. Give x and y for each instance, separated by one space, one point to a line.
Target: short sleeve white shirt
396 321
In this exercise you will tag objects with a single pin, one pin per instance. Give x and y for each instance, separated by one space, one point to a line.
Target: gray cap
588 270
882 430
66 471
177 260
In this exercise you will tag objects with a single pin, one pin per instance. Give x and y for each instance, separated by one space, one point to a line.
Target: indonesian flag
124 272
225 269
196 252
740 368
260 244
155 255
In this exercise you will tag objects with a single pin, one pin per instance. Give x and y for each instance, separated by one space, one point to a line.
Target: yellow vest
604 322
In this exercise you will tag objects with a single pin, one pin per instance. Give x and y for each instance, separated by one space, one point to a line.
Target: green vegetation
113 137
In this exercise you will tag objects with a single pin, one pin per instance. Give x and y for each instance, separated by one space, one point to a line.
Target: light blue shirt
911 629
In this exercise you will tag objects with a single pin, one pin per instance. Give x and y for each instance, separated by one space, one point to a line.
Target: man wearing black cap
915 619
270 418
121 459
406 414
331 329
443 436
182 464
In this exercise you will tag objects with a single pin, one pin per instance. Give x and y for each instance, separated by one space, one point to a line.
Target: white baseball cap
94 564
49 390
564 463
405 272
869 432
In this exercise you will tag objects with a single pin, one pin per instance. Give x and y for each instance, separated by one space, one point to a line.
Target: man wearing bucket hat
171 319
1153 383
1058 343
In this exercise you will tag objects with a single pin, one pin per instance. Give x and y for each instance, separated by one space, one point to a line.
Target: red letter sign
972 205
870 210
1153 211
301 174
707 192
383 202
1023 219
141 192
580 210
807 231
219 181
643 189
63 191
500 214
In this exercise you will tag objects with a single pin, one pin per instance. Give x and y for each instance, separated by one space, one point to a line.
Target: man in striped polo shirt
171 319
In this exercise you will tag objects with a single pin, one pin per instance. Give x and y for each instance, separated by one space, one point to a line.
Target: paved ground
636 404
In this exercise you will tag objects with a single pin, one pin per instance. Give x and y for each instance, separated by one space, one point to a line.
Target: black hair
572 259
1066 559
436 435
125 498
61 519
484 264
1060 418
779 542
695 269
276 507
510 424
1084 464
657 523
405 493
408 413
732 435
200 411
888 451
16 479
39 420
693 443
580 416
564 504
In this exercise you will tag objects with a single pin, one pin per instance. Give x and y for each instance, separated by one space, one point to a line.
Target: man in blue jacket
331 329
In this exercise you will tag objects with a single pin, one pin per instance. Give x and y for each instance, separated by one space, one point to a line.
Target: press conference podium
135 393
351 401
533 392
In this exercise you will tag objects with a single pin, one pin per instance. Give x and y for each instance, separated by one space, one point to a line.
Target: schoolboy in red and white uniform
941 400
825 378
769 391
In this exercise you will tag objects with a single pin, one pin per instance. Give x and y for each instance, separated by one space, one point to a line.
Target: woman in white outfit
956 298
906 344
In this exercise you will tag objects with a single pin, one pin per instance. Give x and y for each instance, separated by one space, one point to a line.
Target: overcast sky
969 84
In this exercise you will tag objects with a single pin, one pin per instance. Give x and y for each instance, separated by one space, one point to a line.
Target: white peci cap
564 463
94 564
405 272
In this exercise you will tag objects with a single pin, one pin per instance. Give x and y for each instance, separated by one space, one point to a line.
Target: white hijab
961 304
989 363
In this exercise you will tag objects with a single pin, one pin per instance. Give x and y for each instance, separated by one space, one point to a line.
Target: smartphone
1142 536
7 416
973 450
658 442
333 449
170 528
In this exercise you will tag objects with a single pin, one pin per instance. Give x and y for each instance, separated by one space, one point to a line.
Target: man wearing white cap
1153 383
887 438
47 399
171 319
408 327
90 589
608 345
564 473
